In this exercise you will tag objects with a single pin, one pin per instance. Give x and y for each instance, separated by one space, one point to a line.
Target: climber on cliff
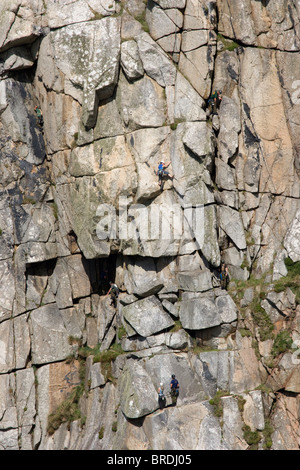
215 101
174 389
162 173
114 293
161 396
224 275
39 116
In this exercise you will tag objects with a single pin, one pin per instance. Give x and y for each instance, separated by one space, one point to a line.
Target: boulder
147 316
195 281
141 278
204 311
138 396
130 60
19 22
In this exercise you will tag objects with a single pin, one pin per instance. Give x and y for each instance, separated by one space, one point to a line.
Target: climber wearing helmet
215 101
224 275
161 172
114 293
161 396
39 116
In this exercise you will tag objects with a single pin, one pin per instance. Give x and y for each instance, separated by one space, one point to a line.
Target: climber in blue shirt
161 172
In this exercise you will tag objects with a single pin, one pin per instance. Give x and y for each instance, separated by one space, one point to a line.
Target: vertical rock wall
123 85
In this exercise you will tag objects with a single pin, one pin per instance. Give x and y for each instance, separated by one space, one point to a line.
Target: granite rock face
122 86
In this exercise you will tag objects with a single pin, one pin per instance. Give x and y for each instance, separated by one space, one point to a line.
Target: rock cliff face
123 85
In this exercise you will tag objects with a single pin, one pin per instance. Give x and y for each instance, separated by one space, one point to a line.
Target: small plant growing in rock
282 343
101 432
216 402
114 426
267 433
251 437
291 280
67 411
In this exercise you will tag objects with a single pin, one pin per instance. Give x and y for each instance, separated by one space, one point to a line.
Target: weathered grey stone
277 304
202 423
141 278
248 297
231 223
189 66
163 23
66 57
79 11
17 58
230 126
280 438
291 241
22 341
233 433
8 413
130 60
147 316
256 26
226 308
286 374
280 269
158 229
235 371
161 367
191 179
17 118
105 314
7 286
195 281
26 399
19 22
171 3
156 63
171 307
92 68
7 359
199 139
199 313
253 412
188 104
49 335
137 392
178 340
171 45
141 103
94 373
